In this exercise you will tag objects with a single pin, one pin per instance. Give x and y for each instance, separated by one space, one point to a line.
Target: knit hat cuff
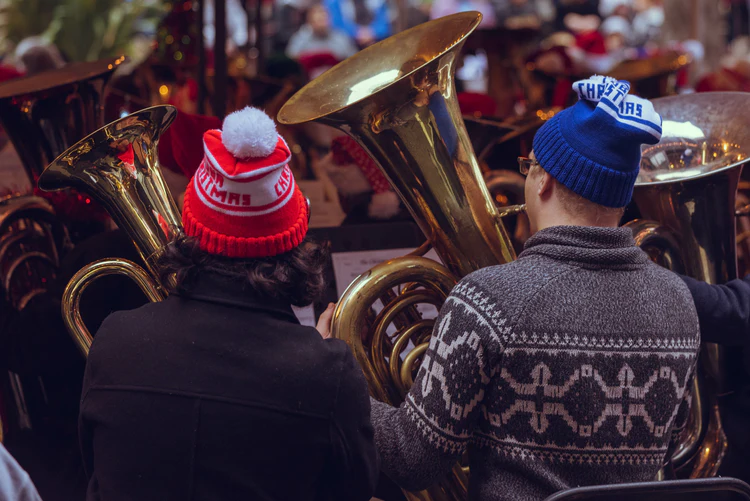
587 178
214 242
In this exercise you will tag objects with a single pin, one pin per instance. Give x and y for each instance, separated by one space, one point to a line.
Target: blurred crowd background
515 72
520 62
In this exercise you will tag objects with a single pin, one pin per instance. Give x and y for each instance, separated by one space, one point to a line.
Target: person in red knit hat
218 392
243 201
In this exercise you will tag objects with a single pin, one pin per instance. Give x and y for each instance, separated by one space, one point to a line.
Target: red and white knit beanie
243 201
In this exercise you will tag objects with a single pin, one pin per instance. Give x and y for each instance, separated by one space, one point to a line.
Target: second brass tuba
397 99
118 166
686 192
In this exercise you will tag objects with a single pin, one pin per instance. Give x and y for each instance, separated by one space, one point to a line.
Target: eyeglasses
525 164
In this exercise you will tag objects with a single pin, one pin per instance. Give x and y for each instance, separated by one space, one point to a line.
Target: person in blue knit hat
569 366
594 147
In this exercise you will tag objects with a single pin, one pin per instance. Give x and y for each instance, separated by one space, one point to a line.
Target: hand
324 322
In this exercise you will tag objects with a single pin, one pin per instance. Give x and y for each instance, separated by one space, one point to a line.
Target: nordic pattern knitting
566 367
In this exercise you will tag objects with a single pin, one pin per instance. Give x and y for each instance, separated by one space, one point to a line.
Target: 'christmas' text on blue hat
594 147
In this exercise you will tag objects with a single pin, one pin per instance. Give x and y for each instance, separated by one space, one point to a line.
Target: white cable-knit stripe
246 211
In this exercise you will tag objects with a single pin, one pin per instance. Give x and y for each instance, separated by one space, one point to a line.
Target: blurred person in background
288 17
366 21
317 36
648 21
580 7
34 55
417 12
622 8
441 8
517 14
589 54
364 192
237 27
739 18
617 33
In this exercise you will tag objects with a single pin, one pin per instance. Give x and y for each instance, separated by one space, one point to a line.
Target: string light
178 56
163 90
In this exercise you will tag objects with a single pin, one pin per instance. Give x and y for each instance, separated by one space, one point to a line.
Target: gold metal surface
397 99
118 166
688 183
45 113
71 300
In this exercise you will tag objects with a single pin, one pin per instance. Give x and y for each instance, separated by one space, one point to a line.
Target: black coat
219 396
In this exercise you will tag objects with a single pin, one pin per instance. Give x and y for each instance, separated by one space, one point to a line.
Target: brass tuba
397 99
686 191
46 113
118 166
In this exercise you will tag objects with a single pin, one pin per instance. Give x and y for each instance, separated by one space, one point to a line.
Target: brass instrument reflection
118 166
687 188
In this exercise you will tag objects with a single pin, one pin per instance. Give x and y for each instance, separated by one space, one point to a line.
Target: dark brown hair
296 276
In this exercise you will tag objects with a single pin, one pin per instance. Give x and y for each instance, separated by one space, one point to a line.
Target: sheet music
349 265
305 315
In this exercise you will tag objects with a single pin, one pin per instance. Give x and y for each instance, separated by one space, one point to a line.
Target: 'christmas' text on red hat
243 201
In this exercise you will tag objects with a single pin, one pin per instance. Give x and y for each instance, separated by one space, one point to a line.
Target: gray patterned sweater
566 367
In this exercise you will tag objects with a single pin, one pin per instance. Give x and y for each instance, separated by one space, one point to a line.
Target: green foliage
25 18
86 30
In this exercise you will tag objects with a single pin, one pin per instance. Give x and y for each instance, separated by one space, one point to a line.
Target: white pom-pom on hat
249 133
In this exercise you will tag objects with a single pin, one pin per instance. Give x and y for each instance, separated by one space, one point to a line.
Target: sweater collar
587 245
215 288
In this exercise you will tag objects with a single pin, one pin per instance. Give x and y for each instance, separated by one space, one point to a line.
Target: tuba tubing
686 192
71 301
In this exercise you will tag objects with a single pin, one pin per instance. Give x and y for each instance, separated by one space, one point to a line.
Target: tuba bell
46 113
397 99
686 192
118 166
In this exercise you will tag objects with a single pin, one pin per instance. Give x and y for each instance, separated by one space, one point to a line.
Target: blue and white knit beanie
594 147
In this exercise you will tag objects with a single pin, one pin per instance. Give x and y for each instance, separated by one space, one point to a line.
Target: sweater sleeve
421 440
353 473
723 310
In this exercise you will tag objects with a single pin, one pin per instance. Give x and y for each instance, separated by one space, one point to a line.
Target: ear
544 186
